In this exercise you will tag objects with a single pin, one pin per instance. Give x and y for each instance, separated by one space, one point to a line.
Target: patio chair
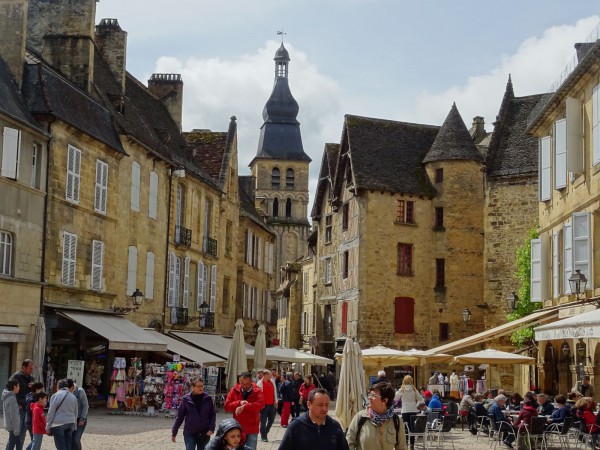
417 429
536 431
499 430
444 425
559 431
482 427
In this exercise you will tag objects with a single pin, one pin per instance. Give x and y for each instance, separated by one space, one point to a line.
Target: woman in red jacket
305 389
525 415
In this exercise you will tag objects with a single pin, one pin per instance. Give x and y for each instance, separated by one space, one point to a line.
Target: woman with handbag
62 417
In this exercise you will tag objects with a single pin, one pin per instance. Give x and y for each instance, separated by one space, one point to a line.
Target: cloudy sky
390 59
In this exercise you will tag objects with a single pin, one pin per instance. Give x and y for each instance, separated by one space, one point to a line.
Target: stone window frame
405 212
405 259
328 228
6 252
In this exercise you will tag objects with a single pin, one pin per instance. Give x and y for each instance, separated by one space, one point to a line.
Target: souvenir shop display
93 378
134 386
211 381
154 384
177 381
118 378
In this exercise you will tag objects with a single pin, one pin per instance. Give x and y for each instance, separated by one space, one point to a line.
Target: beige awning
212 343
120 333
586 325
177 347
542 316
12 334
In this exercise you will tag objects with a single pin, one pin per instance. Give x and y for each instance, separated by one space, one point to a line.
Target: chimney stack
62 32
111 40
13 34
168 87
478 128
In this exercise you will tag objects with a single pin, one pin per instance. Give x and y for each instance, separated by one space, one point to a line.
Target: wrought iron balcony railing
210 246
183 236
179 316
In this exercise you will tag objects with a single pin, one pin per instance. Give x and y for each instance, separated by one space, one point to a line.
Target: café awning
120 333
212 343
585 325
12 334
186 351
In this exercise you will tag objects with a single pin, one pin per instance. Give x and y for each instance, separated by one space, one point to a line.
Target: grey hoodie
12 418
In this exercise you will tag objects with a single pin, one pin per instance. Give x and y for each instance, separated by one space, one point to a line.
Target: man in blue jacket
315 430
198 411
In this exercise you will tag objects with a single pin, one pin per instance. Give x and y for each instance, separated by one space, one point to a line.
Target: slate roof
246 194
11 101
453 141
386 155
513 151
208 148
47 92
326 176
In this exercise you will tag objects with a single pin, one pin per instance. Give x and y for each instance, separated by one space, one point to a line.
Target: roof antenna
281 33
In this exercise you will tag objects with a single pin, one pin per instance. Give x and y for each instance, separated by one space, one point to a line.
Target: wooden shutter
582 249
244 300
404 309
248 247
73 173
567 256
11 142
186 282
596 124
560 154
344 318
259 248
171 293
149 292
177 284
213 288
545 169
132 270
536 270
69 258
101 186
271 257
574 135
97 257
153 195
200 286
135 186
556 264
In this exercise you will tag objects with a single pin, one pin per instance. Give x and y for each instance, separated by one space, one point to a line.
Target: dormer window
275 178
289 178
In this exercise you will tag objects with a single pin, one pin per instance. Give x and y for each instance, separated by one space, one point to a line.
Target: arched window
288 208
275 178
289 178
275 207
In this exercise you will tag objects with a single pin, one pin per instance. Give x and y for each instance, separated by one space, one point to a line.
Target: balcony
179 316
209 246
208 321
183 236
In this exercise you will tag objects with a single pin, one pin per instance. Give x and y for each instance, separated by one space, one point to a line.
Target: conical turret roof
453 141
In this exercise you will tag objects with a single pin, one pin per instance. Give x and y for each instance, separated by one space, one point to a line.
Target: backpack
363 419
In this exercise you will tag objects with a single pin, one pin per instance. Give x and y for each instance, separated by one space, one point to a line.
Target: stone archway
550 370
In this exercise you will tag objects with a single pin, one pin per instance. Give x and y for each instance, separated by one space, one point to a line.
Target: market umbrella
426 357
380 357
291 355
260 349
39 349
236 362
491 356
351 388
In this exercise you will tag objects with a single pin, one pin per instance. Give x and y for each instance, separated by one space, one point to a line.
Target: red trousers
285 413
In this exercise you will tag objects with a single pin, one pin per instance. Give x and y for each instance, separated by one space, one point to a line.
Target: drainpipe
166 283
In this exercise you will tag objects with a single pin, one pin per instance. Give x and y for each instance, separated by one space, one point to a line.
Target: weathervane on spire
281 33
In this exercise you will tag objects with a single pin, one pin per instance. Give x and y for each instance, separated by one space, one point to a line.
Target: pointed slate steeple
280 136
453 141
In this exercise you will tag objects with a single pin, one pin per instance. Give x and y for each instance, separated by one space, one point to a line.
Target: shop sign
75 371
590 331
469 368
176 358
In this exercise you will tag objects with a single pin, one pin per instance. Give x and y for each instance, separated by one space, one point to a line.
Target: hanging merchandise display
93 378
211 381
154 384
118 377
134 386
178 376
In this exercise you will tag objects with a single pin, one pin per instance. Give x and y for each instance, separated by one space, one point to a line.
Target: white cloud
534 67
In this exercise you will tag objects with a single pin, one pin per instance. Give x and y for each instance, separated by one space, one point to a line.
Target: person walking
12 417
305 389
82 412
229 436
378 427
409 396
198 411
315 430
35 388
297 382
62 416
267 414
26 380
245 400
38 419
287 397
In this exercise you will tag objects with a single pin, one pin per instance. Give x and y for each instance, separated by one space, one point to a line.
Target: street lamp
580 350
137 298
566 351
512 300
466 315
577 281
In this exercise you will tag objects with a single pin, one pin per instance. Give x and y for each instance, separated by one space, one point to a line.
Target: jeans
31 436
267 417
76 440
23 427
63 436
14 442
195 441
36 442
296 409
251 440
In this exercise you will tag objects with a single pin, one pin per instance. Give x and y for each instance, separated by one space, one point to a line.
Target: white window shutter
149 292
101 191
205 285
302 322
171 294
135 186
582 248
596 124
11 142
266 257
153 195
574 135
536 270
265 306
560 154
132 270
69 258
213 288
186 282
244 300
271 257
259 248
97 257
567 263
248 247
200 285
73 173
177 290
556 264
545 169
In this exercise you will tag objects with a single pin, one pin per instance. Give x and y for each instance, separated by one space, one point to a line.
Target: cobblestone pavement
112 432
